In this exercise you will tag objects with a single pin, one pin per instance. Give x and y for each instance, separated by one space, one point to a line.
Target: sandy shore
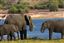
45 15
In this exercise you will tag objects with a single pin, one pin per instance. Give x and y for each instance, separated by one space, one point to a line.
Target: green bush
13 9
19 8
22 8
5 4
1 7
53 5
61 3
41 5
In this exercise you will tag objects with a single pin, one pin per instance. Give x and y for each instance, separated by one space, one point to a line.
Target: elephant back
15 19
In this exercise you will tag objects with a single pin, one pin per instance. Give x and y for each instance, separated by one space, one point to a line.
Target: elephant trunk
29 22
41 28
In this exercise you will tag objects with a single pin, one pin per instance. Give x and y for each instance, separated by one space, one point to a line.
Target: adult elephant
53 26
21 21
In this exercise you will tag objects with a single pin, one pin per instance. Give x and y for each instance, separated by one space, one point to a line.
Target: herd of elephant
17 23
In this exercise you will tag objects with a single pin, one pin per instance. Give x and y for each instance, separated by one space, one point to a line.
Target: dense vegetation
22 7
52 5
16 7
19 8
61 3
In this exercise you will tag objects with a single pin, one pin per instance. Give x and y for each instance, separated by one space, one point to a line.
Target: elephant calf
8 29
53 26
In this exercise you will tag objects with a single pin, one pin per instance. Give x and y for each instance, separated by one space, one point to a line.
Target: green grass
35 41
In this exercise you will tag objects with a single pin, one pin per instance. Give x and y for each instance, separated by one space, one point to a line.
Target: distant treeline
52 5
22 7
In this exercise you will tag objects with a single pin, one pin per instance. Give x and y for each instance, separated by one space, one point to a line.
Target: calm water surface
38 34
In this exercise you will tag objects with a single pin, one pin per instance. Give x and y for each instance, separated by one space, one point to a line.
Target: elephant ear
7 19
30 22
27 19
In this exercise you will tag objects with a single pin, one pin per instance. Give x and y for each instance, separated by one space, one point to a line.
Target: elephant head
44 26
28 20
19 20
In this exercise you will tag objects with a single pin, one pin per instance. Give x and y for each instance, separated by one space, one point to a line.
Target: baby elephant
53 26
8 29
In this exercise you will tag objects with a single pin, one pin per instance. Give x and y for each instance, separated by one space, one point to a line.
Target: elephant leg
18 34
1 37
25 34
21 35
10 36
61 35
50 34
22 31
14 36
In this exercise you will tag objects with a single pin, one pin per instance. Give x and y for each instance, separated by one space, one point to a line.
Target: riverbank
45 14
40 14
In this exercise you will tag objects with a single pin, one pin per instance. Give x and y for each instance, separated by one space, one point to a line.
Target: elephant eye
45 25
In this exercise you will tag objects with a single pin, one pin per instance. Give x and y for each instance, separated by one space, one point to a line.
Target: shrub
23 7
13 9
19 8
61 3
53 5
41 5
5 4
1 7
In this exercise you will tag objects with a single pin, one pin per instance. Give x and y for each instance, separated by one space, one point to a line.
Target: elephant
8 29
21 21
53 26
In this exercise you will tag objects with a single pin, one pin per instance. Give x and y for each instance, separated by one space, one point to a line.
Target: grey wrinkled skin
53 26
21 21
8 29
